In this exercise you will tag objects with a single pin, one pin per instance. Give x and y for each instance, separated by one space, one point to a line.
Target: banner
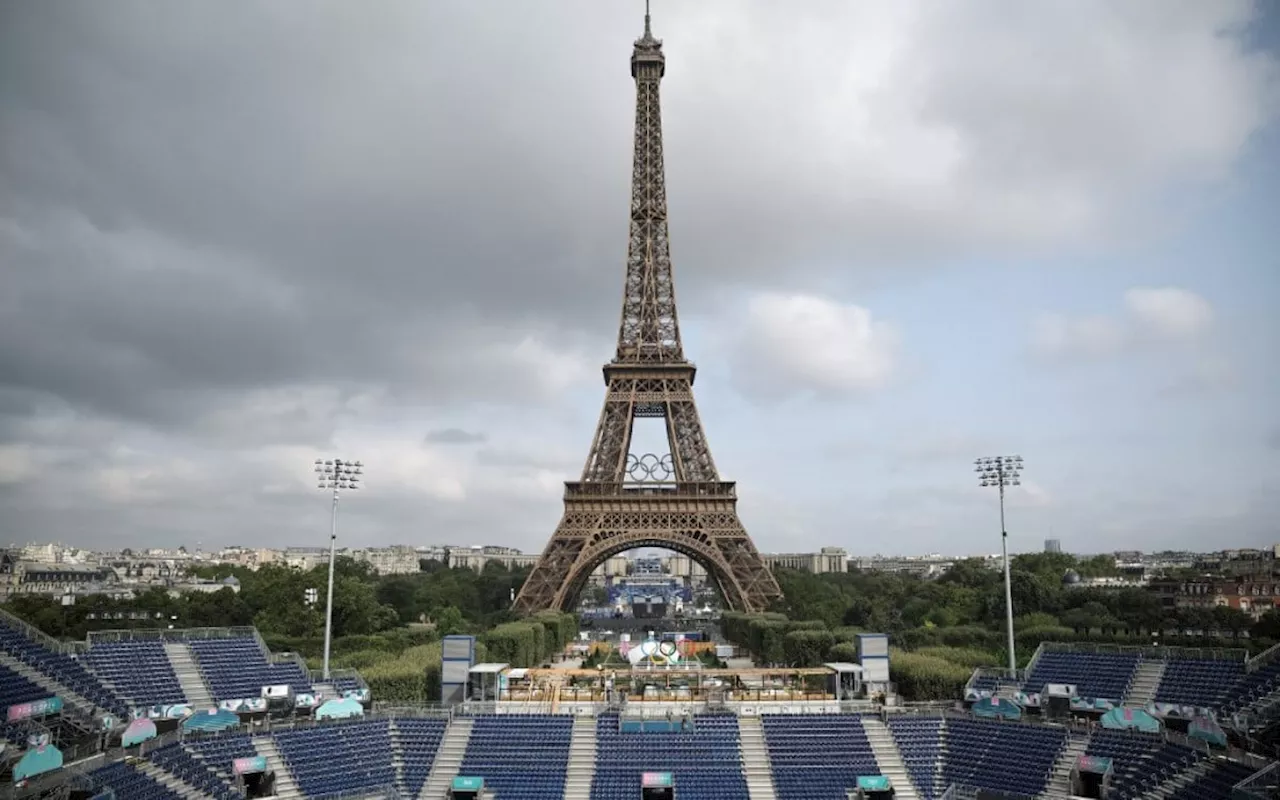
1095 764
178 711
362 695
339 709
36 708
246 766
37 762
249 705
215 719
139 731
655 780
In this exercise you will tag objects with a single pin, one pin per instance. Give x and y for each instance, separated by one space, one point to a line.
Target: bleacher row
1203 682
117 676
813 757
122 674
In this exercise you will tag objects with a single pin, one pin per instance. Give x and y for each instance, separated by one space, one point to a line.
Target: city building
306 558
1255 595
1053 545
395 560
476 557
828 559
59 580
927 566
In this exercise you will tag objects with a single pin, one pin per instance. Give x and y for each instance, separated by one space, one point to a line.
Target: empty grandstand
804 746
809 756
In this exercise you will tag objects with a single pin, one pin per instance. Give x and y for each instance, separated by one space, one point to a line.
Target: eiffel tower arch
675 500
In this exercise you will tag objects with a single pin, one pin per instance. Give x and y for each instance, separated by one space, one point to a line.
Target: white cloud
1151 316
1169 313
913 124
795 342
1058 334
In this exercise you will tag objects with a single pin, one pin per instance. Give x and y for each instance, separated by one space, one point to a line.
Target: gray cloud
232 236
455 436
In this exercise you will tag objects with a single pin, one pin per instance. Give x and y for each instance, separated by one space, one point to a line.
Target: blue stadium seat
345 684
1252 687
61 667
1216 784
1198 682
178 761
1095 675
817 756
920 741
339 757
1008 757
15 689
129 782
139 671
1141 761
237 668
416 742
520 757
218 750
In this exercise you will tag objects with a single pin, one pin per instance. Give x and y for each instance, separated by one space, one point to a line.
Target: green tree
449 621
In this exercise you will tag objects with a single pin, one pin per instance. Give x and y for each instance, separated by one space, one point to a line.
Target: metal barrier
1263 784
1002 677
1263 658
385 792
176 635
317 675
1151 651
40 637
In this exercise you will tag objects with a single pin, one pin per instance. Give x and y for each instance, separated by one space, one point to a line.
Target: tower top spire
648 50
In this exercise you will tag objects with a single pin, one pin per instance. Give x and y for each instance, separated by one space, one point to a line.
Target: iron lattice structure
623 501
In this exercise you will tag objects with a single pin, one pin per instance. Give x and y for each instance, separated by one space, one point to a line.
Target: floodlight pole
336 475
1002 471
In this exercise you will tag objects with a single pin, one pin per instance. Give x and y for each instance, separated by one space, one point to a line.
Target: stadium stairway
582 759
1146 682
75 699
1181 780
286 787
1060 779
397 754
453 748
168 780
756 767
190 678
888 758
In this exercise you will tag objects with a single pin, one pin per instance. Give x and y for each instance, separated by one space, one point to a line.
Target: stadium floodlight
1000 472
335 475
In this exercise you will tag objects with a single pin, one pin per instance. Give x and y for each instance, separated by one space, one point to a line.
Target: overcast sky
235 237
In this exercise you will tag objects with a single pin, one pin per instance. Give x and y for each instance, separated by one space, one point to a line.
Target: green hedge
843 651
411 676
969 657
807 648
531 641
922 677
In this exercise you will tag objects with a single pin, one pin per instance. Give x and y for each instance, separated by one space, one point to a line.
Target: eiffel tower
624 501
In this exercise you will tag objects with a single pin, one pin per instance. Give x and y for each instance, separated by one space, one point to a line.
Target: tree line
275 600
389 626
